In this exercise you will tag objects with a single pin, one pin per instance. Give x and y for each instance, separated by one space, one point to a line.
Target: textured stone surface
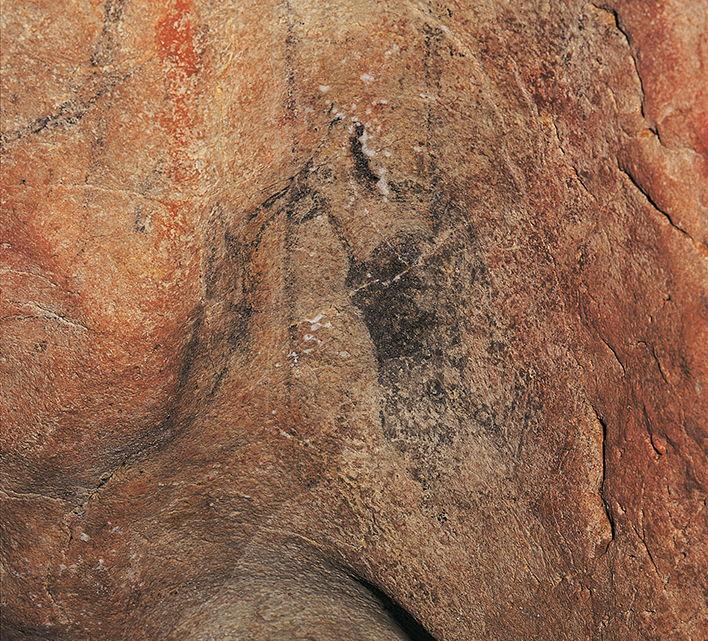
323 318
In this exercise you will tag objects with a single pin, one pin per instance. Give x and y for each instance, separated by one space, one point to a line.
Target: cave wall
313 308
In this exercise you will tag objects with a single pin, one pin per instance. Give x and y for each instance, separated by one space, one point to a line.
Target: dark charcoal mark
297 202
407 623
387 292
240 315
410 302
361 160
113 11
105 47
445 213
188 356
218 380
70 113
271 200
141 222
317 206
435 390
220 326
486 417
229 284
295 189
338 229
305 202
414 298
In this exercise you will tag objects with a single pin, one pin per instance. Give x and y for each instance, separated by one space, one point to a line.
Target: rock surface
353 320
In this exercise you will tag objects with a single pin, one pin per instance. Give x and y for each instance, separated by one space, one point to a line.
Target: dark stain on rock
230 283
362 168
413 295
68 114
273 198
142 221
306 203
389 299
240 309
190 352
485 416
104 51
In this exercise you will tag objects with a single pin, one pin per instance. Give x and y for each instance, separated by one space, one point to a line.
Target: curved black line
361 161
413 629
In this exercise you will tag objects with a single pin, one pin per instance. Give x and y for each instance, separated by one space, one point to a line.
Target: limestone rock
353 320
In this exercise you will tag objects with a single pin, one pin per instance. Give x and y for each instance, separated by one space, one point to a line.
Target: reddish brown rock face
353 320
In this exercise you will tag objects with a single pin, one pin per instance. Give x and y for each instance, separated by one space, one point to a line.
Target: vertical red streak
174 36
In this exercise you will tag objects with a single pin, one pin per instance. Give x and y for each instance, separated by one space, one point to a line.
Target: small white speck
324 88
394 48
418 149
382 183
364 140
344 354
367 77
84 537
315 323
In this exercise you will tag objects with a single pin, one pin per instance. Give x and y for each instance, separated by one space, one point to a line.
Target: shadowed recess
404 619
